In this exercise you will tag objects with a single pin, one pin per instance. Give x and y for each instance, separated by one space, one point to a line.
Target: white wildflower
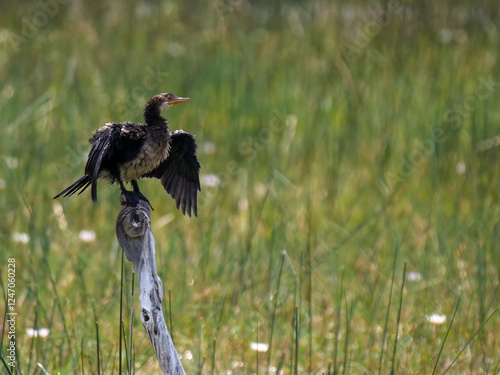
42 332
461 168
208 147
21 237
187 355
87 236
259 346
436 318
210 180
414 276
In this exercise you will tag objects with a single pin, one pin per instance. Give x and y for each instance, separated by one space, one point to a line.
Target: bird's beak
177 100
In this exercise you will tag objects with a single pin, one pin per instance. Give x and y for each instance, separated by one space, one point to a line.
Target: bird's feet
143 198
135 185
133 197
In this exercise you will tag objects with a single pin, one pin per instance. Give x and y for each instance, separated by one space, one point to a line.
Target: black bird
125 152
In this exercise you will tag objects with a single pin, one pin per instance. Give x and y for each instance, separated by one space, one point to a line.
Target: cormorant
125 152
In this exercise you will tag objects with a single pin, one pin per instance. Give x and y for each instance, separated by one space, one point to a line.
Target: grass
328 160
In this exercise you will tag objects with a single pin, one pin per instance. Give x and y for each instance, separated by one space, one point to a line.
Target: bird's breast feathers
153 152
154 148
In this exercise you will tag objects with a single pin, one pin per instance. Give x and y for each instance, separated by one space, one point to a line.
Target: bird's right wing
180 172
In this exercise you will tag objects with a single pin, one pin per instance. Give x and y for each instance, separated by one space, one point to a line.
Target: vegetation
354 225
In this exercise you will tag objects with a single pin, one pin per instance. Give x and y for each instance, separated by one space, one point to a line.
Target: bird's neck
154 119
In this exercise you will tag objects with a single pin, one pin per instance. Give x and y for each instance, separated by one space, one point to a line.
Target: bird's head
167 100
160 102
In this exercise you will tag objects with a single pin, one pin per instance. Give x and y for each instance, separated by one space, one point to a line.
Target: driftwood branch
133 231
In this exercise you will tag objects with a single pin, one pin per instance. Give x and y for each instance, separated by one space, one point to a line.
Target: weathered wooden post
133 231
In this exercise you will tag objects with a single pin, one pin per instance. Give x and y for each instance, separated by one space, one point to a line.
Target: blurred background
349 216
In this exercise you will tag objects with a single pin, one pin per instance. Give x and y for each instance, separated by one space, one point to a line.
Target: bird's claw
143 198
132 198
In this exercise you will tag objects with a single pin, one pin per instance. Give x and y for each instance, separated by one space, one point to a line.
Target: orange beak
177 100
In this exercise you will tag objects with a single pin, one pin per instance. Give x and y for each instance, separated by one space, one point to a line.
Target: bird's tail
78 186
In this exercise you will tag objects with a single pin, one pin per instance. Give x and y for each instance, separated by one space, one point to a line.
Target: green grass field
355 224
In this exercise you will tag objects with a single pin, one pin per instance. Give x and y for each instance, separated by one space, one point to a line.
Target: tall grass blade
250 236
2 330
58 303
447 332
386 324
200 369
299 310
470 340
5 364
427 364
82 355
308 271
170 316
256 351
126 348
295 319
213 356
201 362
347 331
273 316
32 344
337 324
398 321
497 367
297 337
71 365
280 364
98 349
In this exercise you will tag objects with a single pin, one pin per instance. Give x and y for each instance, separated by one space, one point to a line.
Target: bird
124 152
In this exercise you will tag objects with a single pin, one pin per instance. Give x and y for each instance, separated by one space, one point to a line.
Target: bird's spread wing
180 172
102 141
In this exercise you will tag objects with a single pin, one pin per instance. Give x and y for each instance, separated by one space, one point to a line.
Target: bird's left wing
102 142
180 172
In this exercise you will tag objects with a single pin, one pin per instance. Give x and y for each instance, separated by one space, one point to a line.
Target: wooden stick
133 231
